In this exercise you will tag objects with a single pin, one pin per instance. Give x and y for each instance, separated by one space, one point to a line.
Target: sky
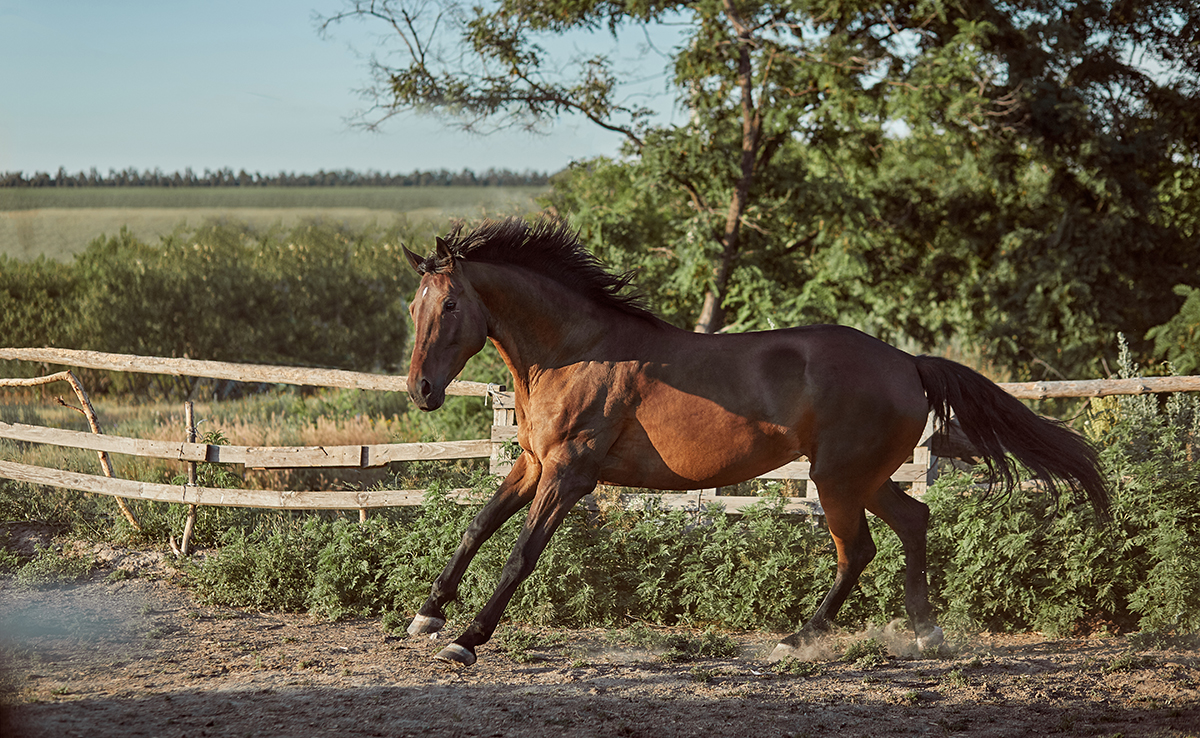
208 84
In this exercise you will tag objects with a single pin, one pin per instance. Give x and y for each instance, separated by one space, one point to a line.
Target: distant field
59 223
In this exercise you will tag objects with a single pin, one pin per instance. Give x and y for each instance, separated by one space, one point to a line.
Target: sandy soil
138 657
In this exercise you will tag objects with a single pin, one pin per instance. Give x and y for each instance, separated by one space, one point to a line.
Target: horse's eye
449 305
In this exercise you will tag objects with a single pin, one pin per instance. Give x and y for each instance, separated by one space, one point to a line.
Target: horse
607 392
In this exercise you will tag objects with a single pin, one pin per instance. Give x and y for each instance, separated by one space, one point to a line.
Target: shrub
312 295
50 567
268 570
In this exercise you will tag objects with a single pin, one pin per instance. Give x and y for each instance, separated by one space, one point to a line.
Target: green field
59 223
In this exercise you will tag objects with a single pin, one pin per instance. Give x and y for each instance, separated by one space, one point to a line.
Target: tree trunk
712 313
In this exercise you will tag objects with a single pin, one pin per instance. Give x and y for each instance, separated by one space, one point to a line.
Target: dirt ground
138 657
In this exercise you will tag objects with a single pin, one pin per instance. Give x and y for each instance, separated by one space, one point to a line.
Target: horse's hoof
932 639
456 654
782 651
425 624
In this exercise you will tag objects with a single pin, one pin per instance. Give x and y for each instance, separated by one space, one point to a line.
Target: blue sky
246 84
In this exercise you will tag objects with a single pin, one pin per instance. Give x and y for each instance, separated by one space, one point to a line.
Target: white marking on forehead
426 292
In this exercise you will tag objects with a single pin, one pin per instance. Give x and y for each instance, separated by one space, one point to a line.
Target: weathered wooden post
504 428
189 419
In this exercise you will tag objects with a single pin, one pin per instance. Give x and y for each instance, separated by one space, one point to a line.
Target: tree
991 171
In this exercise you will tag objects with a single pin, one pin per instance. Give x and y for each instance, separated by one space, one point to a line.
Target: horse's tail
999 424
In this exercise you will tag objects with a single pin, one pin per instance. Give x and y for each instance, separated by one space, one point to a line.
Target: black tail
998 424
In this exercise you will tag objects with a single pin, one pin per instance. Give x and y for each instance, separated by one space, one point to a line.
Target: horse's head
450 324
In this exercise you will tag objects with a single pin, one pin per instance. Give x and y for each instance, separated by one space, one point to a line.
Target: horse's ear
414 261
445 258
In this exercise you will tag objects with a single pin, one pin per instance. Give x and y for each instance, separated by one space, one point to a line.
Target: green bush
269 570
1178 340
51 567
312 295
37 302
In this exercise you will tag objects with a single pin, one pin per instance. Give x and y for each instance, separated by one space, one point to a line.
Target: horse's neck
534 321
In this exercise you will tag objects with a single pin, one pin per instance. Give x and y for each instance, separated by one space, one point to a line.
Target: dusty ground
137 657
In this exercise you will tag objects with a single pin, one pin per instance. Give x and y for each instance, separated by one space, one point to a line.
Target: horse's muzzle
425 395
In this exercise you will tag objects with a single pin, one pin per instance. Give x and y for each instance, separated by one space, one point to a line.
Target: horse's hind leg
909 517
855 549
514 493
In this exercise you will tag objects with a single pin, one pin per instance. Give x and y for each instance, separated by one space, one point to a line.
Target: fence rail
375 455
224 370
254 457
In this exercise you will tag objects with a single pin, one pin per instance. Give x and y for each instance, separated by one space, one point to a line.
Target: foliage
335 299
1010 564
36 299
262 569
313 295
1178 340
866 654
51 567
1021 176
209 474
1017 564
516 643
709 645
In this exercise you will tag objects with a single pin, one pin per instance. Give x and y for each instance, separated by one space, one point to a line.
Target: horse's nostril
426 388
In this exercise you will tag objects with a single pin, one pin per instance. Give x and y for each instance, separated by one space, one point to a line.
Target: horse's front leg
514 493
557 494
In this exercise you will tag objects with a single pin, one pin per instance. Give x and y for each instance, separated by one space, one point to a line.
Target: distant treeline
228 178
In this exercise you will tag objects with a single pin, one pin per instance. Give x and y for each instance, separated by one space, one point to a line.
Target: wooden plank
911 472
792 470
258 498
226 370
502 433
381 454
343 500
286 457
1101 387
179 450
255 457
702 499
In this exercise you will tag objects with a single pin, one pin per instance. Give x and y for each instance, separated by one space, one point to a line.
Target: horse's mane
548 247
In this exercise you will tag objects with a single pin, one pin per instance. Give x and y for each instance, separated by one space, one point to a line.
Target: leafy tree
1020 175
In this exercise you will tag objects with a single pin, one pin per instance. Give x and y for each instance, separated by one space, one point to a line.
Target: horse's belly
699 452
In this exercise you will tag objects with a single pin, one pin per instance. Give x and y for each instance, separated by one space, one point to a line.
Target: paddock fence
915 474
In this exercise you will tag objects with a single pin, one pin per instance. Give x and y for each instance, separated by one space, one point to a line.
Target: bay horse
606 392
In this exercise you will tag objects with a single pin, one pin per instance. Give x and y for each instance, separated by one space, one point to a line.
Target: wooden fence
915 473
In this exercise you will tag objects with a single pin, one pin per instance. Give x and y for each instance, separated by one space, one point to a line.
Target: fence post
921 455
504 428
189 419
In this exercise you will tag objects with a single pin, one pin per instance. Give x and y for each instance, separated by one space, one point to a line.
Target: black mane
548 247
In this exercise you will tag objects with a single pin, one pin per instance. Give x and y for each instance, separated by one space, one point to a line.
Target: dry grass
253 421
